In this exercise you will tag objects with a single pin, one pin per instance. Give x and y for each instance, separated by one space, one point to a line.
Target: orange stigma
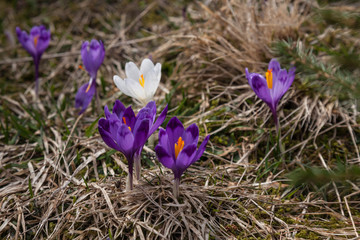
36 40
81 67
88 88
142 80
124 120
269 78
179 146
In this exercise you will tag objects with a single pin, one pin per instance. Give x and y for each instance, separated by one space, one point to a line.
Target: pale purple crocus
273 86
126 132
177 148
35 44
92 55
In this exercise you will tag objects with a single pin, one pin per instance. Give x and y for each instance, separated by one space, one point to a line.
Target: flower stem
137 163
176 187
129 183
37 78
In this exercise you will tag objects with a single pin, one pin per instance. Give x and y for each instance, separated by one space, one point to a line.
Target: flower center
179 146
36 40
124 120
269 78
142 80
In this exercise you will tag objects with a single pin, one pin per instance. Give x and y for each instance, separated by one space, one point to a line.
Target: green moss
306 234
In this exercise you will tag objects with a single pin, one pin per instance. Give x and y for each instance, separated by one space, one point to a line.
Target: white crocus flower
140 84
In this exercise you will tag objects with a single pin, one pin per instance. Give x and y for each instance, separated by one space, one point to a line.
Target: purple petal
164 157
159 121
119 109
191 134
141 133
107 112
290 79
125 140
129 117
174 130
83 98
184 160
274 65
102 127
26 42
92 54
163 139
279 84
259 85
43 40
201 149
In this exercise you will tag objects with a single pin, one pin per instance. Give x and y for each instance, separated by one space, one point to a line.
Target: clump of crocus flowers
273 86
35 44
140 84
92 55
127 133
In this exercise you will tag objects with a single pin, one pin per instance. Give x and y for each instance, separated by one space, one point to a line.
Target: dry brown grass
222 196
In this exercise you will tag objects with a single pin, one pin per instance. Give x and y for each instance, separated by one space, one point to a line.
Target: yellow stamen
88 88
179 146
269 78
124 120
142 80
36 40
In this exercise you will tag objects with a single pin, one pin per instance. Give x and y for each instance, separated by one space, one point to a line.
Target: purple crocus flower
127 133
273 86
177 148
35 43
92 54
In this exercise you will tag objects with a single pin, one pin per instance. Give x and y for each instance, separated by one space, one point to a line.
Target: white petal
157 70
135 89
121 85
151 84
132 71
146 65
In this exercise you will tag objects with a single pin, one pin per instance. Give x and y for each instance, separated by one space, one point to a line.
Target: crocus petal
129 117
259 85
141 133
125 140
159 121
107 112
151 84
26 42
279 85
105 135
119 109
135 89
83 98
120 84
146 66
274 65
184 160
157 70
289 80
201 149
191 134
92 54
164 157
163 139
43 40
132 72
174 129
